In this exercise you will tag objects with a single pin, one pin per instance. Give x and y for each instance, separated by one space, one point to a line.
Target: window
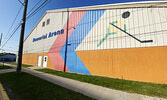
45 59
126 14
48 21
43 24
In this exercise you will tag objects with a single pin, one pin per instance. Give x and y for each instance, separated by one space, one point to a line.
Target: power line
34 6
11 35
37 9
30 15
13 22
21 2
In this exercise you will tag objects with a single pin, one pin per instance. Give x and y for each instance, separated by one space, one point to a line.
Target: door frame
40 61
44 62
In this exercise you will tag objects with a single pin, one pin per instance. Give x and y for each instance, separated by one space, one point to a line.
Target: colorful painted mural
126 43
114 31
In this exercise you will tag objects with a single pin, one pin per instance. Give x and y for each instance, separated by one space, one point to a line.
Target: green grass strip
4 67
28 87
23 65
150 89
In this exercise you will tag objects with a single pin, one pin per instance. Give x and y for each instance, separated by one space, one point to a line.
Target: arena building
125 40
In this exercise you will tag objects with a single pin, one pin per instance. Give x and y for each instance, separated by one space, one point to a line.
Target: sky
9 9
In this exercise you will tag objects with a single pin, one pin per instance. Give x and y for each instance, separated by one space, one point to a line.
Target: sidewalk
6 70
94 91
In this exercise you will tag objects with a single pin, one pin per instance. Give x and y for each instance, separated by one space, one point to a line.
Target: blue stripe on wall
87 22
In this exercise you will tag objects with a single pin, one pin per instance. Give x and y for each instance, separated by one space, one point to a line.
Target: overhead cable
13 22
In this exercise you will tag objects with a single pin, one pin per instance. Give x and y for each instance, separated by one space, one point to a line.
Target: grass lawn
28 87
150 89
23 65
4 67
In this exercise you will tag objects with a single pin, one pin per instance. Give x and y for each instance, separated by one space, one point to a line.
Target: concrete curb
3 94
94 91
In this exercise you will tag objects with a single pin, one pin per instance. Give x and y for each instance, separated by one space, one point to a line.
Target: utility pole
1 39
2 49
22 37
66 41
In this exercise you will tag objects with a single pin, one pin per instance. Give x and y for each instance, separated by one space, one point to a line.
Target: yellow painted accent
32 59
147 64
112 29
120 23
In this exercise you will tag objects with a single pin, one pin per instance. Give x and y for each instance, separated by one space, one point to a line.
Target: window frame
43 24
48 21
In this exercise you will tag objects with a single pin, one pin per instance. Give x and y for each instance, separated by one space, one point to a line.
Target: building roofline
114 6
35 25
107 6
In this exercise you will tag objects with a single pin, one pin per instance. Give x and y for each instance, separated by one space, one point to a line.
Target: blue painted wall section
87 22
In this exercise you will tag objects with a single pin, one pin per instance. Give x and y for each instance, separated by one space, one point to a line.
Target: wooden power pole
19 65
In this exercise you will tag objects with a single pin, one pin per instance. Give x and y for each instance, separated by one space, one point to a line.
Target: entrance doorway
45 61
39 61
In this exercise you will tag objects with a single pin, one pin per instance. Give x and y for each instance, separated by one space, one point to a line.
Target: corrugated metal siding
96 47
143 23
57 21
